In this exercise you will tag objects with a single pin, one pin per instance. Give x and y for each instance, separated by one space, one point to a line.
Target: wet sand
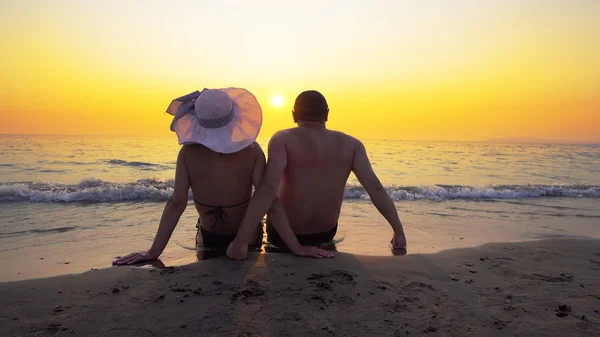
52 239
538 288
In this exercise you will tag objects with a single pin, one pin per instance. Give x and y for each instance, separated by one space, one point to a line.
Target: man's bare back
319 162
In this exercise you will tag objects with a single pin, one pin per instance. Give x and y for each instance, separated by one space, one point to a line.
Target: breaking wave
39 231
153 190
89 190
450 192
129 163
140 165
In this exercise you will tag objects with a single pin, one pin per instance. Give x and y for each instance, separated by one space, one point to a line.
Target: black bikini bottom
221 241
313 239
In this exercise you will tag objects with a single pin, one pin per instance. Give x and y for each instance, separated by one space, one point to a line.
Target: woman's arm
170 216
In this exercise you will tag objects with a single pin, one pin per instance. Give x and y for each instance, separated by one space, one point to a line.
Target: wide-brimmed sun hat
224 120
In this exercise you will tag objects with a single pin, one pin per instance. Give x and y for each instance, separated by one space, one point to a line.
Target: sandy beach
468 131
537 288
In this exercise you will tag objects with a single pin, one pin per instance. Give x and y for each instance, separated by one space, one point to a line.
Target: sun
277 101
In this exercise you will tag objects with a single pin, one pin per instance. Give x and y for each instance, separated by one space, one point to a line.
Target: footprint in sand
290 316
327 280
563 277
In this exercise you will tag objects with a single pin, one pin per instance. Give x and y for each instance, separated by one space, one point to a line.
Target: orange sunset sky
431 70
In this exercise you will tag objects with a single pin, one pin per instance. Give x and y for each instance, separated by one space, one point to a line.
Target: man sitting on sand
313 165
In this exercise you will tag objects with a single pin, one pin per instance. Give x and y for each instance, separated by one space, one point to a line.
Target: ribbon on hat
183 105
216 123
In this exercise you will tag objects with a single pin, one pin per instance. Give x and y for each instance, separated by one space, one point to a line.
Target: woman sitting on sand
220 161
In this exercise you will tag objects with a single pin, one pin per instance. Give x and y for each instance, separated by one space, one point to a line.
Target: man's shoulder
340 133
281 135
348 139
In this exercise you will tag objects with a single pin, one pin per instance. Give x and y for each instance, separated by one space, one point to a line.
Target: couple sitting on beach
301 188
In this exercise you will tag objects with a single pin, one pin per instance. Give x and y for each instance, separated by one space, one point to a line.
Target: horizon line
496 140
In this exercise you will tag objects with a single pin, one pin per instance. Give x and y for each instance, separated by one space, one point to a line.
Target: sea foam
153 190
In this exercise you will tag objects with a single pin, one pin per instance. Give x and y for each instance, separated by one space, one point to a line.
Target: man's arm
276 212
361 167
280 221
170 216
265 197
266 191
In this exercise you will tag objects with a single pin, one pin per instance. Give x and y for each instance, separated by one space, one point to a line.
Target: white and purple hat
224 120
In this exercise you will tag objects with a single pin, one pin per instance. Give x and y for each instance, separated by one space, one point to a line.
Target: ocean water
71 203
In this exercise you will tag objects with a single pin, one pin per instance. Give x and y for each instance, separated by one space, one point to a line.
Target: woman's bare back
221 180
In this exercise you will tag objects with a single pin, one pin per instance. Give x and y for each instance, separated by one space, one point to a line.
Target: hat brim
235 136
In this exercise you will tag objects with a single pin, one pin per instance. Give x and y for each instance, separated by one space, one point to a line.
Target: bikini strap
214 206
220 215
218 212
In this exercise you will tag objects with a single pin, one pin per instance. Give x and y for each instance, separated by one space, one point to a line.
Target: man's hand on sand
310 251
239 251
399 241
134 258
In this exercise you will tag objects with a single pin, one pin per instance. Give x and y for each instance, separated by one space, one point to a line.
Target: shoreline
185 255
57 242
544 287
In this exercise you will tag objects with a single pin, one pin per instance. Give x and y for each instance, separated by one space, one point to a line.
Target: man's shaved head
310 105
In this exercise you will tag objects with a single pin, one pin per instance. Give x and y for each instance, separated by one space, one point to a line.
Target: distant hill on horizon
527 140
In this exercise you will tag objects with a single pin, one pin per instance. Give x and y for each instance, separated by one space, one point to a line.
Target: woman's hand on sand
237 250
399 241
134 258
311 251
